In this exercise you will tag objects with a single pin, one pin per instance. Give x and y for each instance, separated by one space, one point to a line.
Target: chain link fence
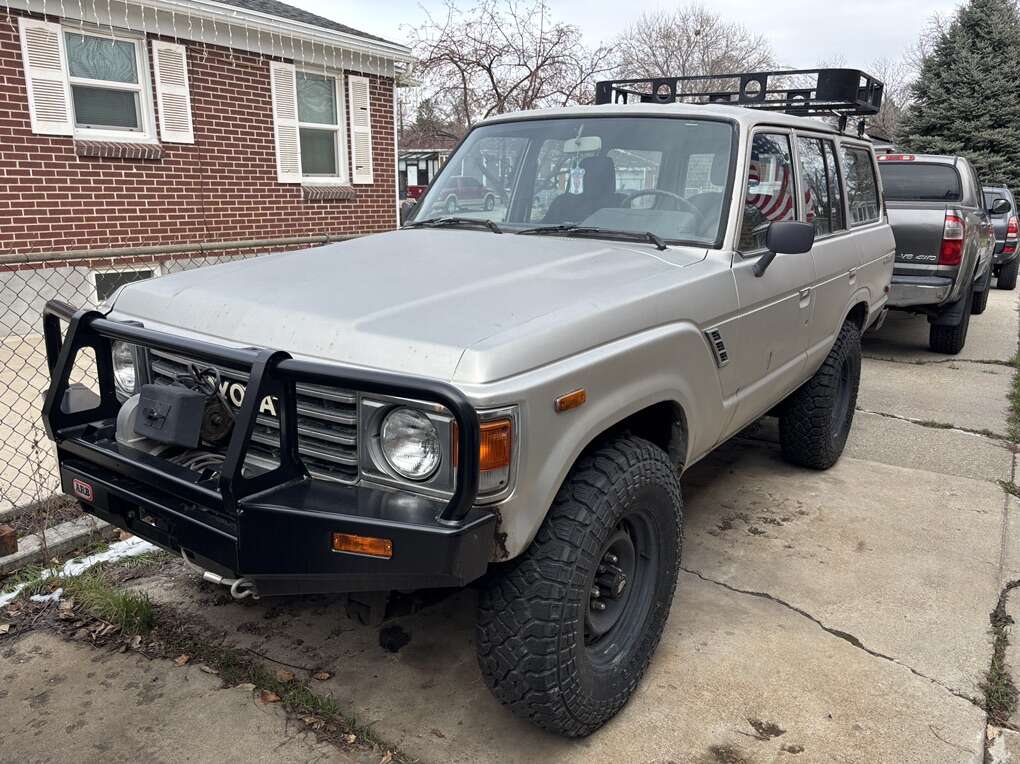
28 469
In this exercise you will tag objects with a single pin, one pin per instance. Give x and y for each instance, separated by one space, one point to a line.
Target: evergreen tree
966 100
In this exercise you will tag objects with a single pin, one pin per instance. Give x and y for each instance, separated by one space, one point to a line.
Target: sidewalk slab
70 702
906 561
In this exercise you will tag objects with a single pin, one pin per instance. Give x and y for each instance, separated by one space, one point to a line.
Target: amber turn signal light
495 445
571 400
348 542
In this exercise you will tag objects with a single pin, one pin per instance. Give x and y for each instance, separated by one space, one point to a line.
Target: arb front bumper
279 528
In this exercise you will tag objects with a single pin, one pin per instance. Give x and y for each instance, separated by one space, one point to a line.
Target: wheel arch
663 423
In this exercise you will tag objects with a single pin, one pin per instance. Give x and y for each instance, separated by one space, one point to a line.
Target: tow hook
240 588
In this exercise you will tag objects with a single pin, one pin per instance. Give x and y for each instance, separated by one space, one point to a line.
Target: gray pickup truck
504 396
1006 261
944 243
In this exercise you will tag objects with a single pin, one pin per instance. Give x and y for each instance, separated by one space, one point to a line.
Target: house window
106 76
108 282
318 97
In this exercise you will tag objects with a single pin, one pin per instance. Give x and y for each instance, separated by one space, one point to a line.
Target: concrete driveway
835 616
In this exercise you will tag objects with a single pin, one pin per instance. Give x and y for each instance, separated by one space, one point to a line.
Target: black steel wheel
566 633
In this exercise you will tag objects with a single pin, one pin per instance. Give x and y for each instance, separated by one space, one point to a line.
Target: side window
835 187
823 197
769 193
861 186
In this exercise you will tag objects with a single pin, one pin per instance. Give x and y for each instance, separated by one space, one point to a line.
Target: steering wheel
680 201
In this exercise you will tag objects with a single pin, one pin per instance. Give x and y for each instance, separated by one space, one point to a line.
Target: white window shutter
283 83
361 129
49 93
172 96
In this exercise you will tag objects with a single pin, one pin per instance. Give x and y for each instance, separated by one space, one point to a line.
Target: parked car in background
944 243
415 192
464 192
1006 260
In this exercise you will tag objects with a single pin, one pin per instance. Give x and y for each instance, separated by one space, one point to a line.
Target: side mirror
405 209
785 237
1000 206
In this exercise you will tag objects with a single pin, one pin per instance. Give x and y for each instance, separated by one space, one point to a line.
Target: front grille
327 422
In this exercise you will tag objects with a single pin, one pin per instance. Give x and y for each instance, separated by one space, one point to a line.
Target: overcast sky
802 32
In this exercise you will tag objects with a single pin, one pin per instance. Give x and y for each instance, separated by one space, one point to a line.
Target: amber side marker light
494 446
374 547
571 400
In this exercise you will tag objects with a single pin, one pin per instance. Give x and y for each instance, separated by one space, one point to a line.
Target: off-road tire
815 421
1007 274
533 618
950 339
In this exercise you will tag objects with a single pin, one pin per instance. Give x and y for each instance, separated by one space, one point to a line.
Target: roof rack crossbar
803 92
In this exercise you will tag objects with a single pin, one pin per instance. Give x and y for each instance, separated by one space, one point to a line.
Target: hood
411 301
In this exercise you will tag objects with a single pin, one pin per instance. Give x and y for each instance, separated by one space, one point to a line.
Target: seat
597 192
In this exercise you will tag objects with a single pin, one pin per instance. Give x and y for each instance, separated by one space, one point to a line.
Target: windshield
664 176
909 181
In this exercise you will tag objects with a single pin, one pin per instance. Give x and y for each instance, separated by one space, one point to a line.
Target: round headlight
410 443
125 372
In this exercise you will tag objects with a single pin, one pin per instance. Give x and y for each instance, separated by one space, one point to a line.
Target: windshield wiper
571 229
454 221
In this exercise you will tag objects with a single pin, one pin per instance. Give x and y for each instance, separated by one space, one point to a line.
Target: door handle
805 297
852 275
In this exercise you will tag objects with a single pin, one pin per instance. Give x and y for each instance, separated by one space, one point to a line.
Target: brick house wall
223 187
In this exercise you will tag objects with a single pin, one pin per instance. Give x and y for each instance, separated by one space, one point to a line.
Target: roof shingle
284 11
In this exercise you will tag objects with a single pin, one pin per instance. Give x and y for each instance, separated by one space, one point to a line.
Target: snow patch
119 550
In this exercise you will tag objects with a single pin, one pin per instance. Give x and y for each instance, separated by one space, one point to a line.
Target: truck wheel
1007 274
980 301
950 339
815 420
565 635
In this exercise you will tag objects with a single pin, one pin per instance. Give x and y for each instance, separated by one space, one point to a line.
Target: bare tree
503 55
895 74
688 41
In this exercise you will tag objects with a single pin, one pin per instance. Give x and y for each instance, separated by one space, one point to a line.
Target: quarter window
105 76
769 194
861 186
317 99
822 199
835 187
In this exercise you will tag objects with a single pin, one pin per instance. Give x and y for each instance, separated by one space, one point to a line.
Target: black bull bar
276 527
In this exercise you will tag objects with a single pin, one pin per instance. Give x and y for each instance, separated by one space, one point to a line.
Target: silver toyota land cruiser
506 394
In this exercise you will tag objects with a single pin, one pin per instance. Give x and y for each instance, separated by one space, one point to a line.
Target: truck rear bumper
906 291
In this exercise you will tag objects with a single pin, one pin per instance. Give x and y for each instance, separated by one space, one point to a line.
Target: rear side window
920 182
861 185
823 204
769 193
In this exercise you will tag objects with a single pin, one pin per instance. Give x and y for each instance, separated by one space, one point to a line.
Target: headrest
720 168
599 175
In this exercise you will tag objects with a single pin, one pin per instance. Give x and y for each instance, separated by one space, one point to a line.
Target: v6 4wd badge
234 393
919 258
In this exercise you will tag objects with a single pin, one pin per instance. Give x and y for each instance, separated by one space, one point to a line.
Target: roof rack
803 92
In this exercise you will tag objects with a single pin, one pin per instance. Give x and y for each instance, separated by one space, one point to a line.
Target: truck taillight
1012 232
952 240
896 157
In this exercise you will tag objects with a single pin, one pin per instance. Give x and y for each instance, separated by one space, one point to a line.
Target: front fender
670 363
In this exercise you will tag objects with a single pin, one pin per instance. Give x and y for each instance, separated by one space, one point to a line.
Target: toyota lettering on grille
233 392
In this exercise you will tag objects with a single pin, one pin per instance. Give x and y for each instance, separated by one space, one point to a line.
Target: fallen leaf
268 696
124 535
387 758
208 669
66 605
322 676
136 642
4 628
350 739
246 686
285 676
182 660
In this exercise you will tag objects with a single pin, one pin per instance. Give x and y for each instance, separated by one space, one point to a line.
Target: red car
464 192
